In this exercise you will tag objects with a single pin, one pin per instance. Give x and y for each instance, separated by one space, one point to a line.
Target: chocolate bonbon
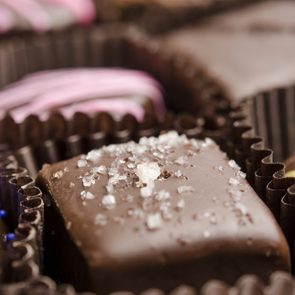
231 48
83 90
158 16
157 194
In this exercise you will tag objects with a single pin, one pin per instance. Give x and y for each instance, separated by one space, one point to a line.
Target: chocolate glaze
208 231
158 16
246 51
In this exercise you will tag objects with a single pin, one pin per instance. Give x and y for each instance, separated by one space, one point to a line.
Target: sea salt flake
241 174
109 201
207 142
180 204
58 174
131 165
213 219
163 195
178 173
81 163
88 181
233 164
148 172
100 219
219 168
71 185
185 189
87 195
241 207
93 156
129 198
181 160
233 181
154 221
100 170
147 191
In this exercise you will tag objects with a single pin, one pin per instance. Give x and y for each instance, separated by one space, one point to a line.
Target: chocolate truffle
158 16
42 16
245 51
86 90
159 213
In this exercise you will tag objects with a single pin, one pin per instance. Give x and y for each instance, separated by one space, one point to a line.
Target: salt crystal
213 219
207 142
93 156
185 189
81 163
87 195
219 168
233 181
233 164
148 172
163 195
147 191
88 181
108 201
241 174
242 208
58 174
100 219
181 160
131 165
178 173
154 221
100 170
128 199
180 204
71 185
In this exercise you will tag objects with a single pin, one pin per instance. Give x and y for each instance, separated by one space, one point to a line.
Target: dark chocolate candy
159 213
246 51
158 16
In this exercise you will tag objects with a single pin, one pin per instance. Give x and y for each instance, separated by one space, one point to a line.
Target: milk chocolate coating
201 220
246 51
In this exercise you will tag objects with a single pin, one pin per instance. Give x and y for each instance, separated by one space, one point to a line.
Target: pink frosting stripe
72 83
118 106
77 93
84 10
7 20
32 12
87 90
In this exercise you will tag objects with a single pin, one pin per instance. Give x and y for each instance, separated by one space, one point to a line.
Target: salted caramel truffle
161 212
245 51
87 90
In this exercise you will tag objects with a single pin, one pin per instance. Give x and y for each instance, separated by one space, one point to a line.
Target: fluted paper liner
265 175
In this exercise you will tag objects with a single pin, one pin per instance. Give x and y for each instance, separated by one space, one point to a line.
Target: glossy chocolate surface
246 51
159 213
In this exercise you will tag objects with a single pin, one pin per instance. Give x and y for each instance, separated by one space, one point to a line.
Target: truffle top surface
246 51
160 201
